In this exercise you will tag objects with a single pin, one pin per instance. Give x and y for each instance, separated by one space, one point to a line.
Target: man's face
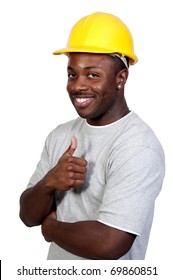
92 86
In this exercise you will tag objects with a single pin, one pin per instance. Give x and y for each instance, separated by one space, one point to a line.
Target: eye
71 75
93 75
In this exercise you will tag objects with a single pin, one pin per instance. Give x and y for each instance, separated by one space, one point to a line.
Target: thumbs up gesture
69 172
71 149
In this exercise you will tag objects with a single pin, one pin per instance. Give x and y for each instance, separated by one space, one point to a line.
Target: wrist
46 185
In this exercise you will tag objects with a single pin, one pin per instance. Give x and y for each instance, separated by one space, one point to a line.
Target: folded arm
88 239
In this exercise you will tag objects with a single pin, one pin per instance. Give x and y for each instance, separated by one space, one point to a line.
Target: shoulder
63 129
136 142
60 136
143 135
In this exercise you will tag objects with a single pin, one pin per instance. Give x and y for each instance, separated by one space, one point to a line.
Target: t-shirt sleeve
131 190
42 167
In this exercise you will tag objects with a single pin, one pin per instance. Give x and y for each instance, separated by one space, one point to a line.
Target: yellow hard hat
100 33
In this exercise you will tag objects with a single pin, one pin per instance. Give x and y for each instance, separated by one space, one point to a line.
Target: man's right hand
69 172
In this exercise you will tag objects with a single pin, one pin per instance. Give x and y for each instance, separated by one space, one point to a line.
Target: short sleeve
131 190
42 167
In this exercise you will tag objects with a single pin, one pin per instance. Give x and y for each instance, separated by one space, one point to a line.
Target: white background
34 101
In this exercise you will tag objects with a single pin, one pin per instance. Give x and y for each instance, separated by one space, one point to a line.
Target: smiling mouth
82 102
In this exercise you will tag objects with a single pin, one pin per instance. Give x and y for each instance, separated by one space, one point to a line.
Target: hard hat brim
133 58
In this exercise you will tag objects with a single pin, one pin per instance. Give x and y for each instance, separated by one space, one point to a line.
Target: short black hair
119 64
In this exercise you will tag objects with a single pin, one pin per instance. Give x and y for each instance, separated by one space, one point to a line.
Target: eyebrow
86 68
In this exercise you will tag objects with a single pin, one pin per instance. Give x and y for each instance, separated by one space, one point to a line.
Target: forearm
88 239
79 240
35 204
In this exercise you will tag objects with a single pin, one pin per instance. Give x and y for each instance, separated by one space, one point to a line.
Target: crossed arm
88 239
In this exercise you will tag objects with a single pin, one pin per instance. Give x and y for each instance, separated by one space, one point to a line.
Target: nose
77 85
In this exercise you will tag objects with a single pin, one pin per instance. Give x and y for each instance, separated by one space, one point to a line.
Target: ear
121 78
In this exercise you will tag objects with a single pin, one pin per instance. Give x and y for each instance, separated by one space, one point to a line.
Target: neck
124 113
120 113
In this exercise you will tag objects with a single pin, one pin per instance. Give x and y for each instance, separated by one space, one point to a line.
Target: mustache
82 93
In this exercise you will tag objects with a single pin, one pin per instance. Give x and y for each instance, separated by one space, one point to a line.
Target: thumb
71 149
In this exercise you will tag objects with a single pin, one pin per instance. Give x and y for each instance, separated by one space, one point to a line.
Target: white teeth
81 100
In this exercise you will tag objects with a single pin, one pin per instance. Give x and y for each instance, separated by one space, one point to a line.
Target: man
95 186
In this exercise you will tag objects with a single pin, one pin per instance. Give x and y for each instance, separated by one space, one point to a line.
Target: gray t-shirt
125 173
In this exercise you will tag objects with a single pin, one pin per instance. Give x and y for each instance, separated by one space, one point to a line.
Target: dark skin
95 77
96 89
